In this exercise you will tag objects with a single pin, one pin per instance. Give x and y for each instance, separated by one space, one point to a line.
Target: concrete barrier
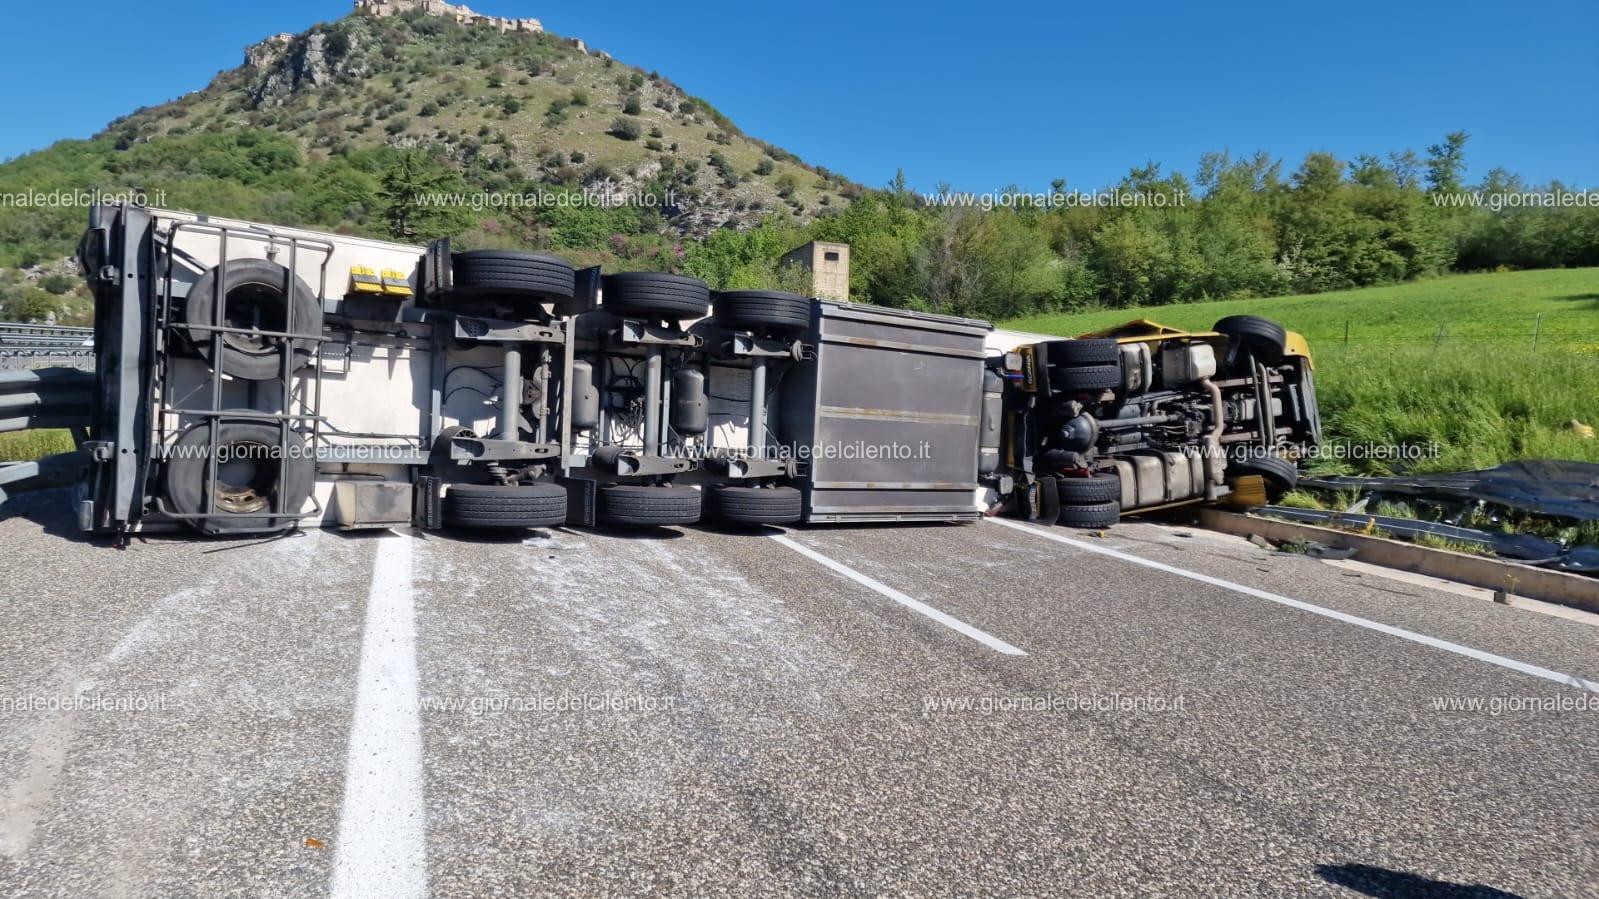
1478 571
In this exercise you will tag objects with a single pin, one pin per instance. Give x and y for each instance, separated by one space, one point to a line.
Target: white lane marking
381 846
1390 630
955 624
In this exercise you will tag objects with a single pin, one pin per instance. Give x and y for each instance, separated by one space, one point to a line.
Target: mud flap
1039 501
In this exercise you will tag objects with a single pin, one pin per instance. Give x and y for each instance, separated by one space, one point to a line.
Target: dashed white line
955 624
1390 630
381 844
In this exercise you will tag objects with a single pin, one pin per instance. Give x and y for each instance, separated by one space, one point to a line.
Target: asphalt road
915 711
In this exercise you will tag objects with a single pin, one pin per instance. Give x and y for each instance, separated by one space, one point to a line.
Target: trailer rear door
886 421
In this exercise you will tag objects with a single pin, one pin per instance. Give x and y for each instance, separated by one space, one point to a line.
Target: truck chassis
251 378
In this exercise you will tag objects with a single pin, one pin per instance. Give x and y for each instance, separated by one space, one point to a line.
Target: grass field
29 445
1446 364
1501 308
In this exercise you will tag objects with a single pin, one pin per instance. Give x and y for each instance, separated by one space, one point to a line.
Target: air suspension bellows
689 407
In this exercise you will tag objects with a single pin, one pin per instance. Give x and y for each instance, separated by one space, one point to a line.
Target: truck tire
756 505
1088 351
763 310
505 271
1092 490
628 505
495 506
249 478
258 293
1280 475
1090 516
657 296
1086 378
1266 340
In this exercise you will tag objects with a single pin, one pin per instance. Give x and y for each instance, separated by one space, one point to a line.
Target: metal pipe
652 399
219 308
666 416
511 394
568 358
757 408
1122 424
1215 469
544 395
1267 416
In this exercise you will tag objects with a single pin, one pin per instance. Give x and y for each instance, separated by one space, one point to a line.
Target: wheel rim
253 307
245 479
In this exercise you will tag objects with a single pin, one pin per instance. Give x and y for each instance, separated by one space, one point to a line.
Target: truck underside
250 379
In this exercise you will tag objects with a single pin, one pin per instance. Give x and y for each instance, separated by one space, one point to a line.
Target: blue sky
979 95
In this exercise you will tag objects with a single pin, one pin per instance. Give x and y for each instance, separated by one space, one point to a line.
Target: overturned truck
250 379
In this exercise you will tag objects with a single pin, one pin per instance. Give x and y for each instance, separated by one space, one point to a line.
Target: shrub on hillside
626 129
58 284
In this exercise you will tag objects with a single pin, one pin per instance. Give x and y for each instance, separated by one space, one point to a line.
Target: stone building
828 264
462 14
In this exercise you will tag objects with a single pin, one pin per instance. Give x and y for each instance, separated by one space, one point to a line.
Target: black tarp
1520 547
1541 486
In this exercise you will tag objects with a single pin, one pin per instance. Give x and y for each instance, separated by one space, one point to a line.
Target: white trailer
252 378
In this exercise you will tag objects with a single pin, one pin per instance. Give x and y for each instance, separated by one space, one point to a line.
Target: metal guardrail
17 339
51 471
46 398
8 329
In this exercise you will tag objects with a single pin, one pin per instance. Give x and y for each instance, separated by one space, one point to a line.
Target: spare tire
495 506
1263 338
763 310
249 477
258 294
756 505
636 506
1280 475
655 295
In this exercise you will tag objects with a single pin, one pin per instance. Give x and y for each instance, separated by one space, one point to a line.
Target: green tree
1446 162
419 196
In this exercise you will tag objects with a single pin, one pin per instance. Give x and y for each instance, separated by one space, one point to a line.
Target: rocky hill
516 136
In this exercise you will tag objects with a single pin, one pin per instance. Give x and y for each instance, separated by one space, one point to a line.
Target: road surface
916 711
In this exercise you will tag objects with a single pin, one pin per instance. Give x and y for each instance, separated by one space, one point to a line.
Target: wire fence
1536 333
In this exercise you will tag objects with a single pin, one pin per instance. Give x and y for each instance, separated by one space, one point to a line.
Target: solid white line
381 846
1390 630
955 624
